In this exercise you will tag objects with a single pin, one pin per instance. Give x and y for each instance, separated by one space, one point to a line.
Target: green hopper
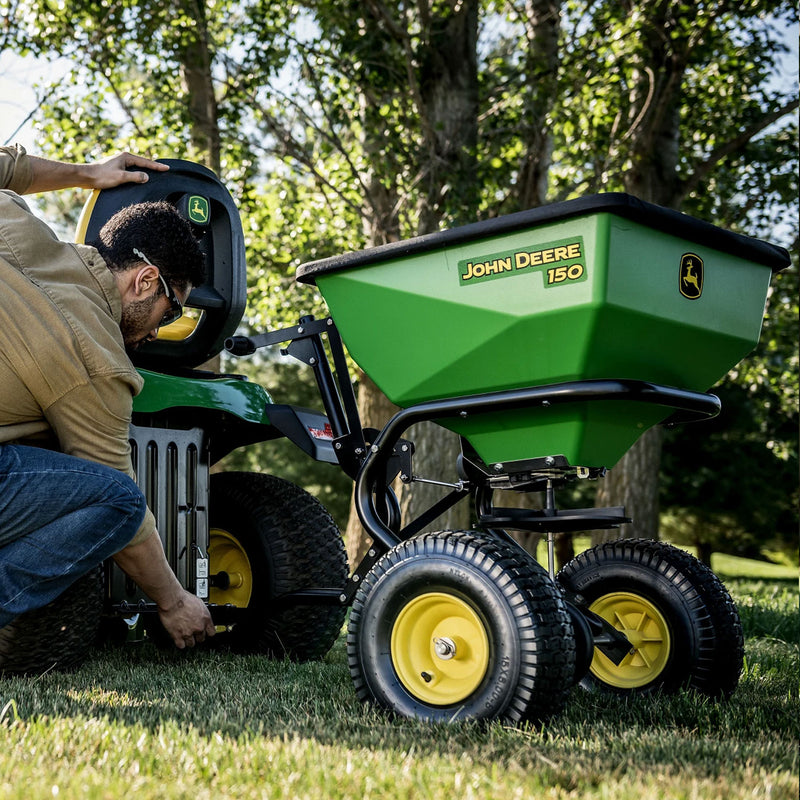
602 288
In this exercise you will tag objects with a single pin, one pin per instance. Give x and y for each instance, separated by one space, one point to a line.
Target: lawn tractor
548 341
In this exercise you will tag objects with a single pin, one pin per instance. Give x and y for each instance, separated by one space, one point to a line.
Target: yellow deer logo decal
690 281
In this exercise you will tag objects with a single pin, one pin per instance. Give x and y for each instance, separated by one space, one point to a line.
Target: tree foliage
339 125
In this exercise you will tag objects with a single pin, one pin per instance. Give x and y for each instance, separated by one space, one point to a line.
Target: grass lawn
136 722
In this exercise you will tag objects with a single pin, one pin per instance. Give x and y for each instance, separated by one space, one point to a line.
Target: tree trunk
654 133
196 62
704 552
542 20
528 540
633 483
448 95
449 106
375 410
446 90
436 452
438 462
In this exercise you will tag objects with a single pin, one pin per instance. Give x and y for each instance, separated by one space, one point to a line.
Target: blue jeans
60 517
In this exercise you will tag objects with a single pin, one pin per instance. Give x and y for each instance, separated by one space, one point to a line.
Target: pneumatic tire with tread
57 636
290 542
696 636
507 649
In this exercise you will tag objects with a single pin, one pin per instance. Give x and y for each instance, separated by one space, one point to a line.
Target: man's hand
114 171
184 615
187 621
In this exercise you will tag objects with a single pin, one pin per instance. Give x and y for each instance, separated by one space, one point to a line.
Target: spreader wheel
682 625
456 625
440 648
646 629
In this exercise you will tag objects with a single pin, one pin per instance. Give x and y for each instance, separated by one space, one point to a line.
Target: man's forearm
147 565
184 615
51 175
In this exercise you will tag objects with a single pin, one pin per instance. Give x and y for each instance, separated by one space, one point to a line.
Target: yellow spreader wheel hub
648 633
439 648
226 555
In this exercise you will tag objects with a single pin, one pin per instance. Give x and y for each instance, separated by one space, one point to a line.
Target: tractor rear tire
459 625
57 636
682 623
269 537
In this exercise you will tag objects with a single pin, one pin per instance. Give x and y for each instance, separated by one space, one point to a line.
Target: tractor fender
232 410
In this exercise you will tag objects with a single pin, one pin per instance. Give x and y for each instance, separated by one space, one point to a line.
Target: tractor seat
213 310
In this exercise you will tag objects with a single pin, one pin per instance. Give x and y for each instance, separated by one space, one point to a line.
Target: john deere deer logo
198 209
691 276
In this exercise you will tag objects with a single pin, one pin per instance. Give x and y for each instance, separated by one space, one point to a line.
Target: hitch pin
199 551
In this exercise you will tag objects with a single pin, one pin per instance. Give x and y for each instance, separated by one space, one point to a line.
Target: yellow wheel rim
648 633
226 554
439 648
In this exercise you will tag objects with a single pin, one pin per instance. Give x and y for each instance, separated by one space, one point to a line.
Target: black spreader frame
374 458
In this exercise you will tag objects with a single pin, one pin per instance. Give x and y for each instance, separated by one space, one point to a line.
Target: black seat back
219 303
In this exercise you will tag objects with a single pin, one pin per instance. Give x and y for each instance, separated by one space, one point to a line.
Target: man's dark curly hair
162 234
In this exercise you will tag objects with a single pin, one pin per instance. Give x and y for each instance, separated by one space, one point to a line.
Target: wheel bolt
445 647
237 580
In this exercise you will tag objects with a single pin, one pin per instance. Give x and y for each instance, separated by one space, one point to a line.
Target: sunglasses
176 307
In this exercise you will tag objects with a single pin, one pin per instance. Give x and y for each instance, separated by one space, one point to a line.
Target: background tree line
340 125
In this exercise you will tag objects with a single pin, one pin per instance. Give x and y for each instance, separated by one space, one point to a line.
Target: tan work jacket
64 373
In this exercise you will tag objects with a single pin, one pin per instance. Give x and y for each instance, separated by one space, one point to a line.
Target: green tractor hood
234 412
223 393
